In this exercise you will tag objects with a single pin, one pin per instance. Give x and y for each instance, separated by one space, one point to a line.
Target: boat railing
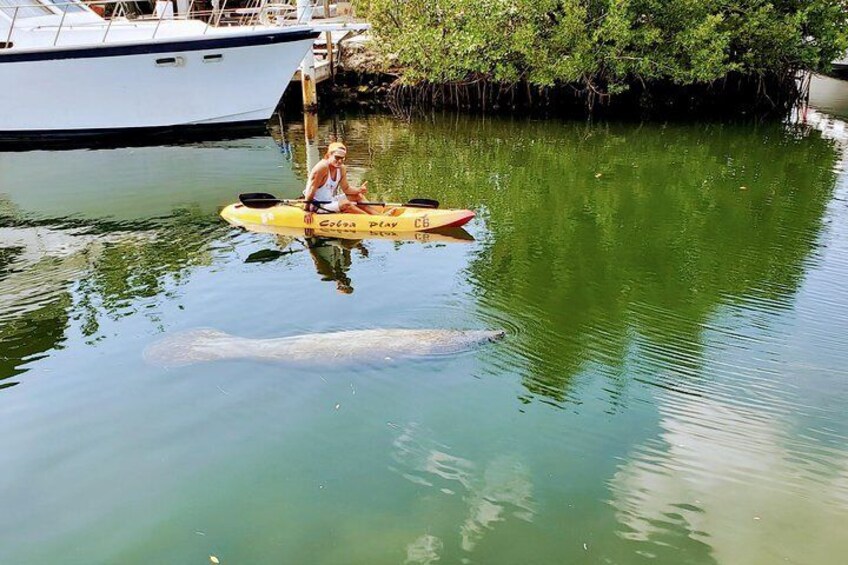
282 12
44 15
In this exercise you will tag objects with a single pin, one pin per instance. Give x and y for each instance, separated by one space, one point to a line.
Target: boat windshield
68 6
24 8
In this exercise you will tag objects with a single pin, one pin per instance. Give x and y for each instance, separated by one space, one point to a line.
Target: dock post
310 134
307 66
329 36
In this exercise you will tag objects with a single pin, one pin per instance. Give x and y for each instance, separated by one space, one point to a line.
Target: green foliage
604 45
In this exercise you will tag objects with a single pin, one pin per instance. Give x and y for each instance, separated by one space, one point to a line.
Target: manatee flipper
192 346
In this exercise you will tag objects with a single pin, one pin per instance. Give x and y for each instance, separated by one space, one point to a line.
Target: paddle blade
258 199
422 203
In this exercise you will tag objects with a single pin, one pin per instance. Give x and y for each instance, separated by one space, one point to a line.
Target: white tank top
327 191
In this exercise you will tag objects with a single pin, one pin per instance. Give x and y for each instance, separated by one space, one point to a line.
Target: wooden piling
310 133
329 36
307 66
308 84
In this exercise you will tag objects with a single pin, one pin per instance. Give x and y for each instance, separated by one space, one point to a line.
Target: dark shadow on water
268 255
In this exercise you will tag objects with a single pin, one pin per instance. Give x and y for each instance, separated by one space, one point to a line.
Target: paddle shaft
264 201
320 202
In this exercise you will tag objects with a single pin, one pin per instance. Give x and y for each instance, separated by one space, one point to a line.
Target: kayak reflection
331 250
444 235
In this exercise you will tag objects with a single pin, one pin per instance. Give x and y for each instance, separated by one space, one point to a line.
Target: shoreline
363 82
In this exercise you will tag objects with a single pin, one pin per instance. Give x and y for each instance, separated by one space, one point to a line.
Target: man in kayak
328 183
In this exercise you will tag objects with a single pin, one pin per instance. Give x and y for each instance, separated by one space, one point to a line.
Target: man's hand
364 187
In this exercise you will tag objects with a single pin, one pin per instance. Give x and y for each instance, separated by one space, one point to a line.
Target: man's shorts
331 207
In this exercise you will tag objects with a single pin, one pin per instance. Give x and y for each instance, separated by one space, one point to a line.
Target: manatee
332 348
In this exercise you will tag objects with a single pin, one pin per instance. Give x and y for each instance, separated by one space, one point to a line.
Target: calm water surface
673 386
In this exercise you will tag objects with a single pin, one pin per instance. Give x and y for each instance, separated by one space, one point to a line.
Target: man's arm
317 177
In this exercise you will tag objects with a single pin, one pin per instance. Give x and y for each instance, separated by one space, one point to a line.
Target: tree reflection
600 233
26 338
55 270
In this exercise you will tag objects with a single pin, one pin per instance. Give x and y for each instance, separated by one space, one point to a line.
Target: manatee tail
192 346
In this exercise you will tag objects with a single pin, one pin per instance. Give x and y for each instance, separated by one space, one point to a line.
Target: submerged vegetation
684 53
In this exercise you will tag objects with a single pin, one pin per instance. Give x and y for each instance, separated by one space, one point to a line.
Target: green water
672 388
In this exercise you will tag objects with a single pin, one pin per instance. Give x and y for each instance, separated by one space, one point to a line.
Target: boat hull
293 216
103 89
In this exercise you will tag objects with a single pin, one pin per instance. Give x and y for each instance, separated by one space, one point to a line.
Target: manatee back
410 343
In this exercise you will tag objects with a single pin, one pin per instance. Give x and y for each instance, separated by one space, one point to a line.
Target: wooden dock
334 18
327 58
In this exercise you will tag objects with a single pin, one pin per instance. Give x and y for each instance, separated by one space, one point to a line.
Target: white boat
65 71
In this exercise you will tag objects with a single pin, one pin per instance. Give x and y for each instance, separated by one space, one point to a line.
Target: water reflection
676 289
829 95
425 550
119 230
89 235
91 271
500 490
600 232
332 258
732 479
135 184
118 140
331 250
37 265
596 232
750 460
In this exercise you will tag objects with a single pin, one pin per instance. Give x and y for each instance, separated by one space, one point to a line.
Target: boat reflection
331 249
165 137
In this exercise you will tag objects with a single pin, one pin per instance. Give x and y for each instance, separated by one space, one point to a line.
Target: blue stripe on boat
179 46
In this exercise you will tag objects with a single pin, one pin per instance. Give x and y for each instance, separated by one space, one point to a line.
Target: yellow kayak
398 219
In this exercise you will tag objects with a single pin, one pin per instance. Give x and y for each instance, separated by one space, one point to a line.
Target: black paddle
265 200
